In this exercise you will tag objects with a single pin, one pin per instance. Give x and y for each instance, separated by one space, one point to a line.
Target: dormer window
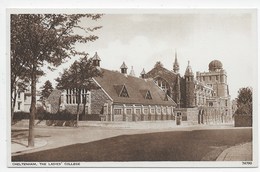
146 94
124 92
121 90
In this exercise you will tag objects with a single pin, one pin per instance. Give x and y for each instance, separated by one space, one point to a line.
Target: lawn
162 146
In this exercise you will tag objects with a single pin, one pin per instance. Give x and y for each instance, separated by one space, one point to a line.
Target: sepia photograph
132 88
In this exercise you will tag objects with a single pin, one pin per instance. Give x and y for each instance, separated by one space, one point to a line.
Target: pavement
19 146
242 152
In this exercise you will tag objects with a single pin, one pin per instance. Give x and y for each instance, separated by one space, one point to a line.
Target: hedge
64 115
43 115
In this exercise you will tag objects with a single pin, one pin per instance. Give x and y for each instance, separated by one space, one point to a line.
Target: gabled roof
112 81
159 71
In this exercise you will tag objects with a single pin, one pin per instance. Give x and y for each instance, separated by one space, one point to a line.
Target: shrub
59 123
62 118
62 115
41 113
21 115
89 117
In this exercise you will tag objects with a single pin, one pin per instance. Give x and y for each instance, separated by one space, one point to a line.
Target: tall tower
218 78
176 66
189 82
178 96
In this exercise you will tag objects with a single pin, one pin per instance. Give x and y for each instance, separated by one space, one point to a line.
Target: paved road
63 136
58 137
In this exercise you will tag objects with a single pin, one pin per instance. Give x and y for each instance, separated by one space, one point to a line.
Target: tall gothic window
72 97
162 83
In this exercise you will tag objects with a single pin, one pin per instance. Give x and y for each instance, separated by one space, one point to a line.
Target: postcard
132 87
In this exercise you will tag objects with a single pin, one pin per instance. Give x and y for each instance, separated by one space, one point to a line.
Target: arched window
162 83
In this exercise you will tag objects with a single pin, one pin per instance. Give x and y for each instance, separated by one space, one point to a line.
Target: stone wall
98 99
151 117
188 114
192 115
53 101
94 107
243 121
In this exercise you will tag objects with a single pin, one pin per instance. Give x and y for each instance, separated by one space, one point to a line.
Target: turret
143 74
176 66
123 68
188 73
96 60
132 72
178 96
189 81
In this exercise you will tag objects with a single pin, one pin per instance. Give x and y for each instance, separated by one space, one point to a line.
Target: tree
46 91
79 77
19 79
47 39
244 101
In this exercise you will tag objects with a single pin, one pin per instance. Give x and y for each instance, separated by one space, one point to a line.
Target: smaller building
121 97
23 101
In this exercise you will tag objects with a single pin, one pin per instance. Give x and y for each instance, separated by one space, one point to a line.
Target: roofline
147 104
103 89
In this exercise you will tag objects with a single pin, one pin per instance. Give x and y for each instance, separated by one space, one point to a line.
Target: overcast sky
140 40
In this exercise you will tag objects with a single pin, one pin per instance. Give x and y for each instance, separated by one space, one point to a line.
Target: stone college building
159 94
